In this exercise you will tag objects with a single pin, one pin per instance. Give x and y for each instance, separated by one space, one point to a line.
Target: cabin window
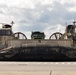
5 32
70 29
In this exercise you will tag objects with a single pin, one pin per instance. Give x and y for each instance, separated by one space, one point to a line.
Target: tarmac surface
37 68
38 73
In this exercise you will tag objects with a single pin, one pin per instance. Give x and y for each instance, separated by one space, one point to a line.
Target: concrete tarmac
38 73
37 66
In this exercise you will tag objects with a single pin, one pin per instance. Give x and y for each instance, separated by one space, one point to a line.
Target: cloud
38 15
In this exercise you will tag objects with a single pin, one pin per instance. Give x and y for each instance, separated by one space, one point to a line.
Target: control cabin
5 34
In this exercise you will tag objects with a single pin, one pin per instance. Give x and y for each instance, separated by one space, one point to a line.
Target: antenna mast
74 22
12 23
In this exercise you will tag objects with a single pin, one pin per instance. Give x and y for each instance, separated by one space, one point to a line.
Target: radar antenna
12 23
74 22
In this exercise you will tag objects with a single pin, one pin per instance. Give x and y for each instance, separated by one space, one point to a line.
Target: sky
47 16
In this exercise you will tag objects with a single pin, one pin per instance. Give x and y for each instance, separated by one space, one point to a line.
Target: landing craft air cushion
16 46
